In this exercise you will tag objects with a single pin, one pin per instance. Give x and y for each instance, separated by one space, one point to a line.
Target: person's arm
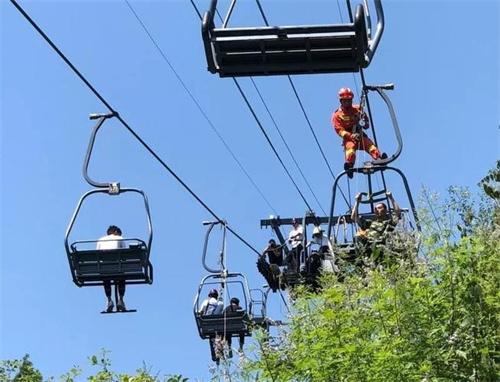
121 243
354 213
395 205
339 128
203 307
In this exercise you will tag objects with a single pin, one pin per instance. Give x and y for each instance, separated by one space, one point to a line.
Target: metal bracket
114 188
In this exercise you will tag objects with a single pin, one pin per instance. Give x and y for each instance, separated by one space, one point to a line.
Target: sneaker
383 156
110 306
120 305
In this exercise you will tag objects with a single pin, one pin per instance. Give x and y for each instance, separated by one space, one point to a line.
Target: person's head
295 223
213 293
345 97
272 243
380 209
235 301
114 230
317 231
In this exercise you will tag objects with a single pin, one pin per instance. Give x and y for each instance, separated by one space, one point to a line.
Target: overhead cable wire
125 124
279 131
261 127
252 111
261 9
198 105
286 144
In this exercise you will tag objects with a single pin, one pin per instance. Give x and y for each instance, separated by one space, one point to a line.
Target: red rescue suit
344 121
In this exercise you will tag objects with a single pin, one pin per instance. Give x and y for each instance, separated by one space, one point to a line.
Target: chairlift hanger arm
380 90
373 43
101 118
211 225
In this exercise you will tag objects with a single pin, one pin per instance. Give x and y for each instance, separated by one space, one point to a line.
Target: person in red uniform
346 120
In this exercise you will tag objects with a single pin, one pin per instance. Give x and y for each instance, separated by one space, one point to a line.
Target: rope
125 124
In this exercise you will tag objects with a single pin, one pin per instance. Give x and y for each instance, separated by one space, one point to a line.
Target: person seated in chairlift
383 223
234 306
211 305
295 238
349 121
113 240
274 253
319 241
318 247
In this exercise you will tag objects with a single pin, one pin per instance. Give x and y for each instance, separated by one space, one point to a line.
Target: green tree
19 370
24 371
431 317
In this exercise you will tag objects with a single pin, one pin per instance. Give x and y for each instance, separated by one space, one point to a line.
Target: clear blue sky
443 57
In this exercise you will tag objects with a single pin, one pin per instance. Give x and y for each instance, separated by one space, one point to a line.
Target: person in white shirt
319 241
295 238
113 240
210 306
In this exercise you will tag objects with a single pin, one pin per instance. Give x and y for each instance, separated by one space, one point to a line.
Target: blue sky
443 57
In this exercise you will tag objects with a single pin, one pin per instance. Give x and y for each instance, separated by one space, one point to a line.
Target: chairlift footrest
119 311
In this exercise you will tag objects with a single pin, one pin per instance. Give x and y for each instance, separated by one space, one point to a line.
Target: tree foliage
24 371
433 318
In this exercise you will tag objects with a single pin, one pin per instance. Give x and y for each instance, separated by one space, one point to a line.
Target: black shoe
348 167
383 156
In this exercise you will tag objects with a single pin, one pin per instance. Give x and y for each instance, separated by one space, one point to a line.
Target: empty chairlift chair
279 50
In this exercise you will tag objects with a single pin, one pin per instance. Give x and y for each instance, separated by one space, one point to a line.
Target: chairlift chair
280 50
347 249
225 324
90 266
